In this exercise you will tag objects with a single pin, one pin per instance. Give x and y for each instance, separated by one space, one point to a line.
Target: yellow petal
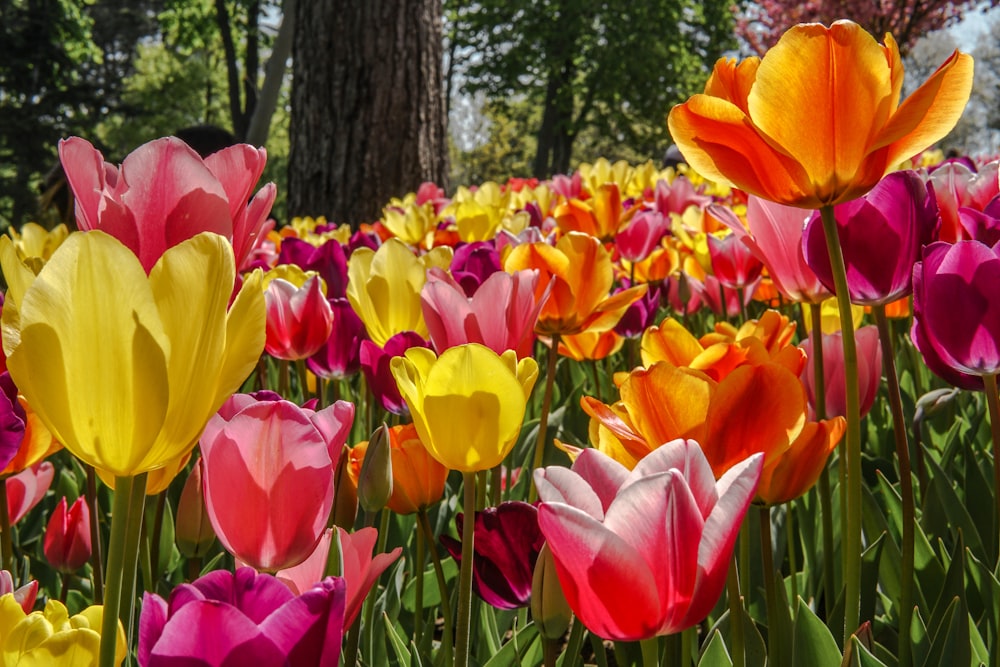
666 402
245 334
669 342
73 648
10 615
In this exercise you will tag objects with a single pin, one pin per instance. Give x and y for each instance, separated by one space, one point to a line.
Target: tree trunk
368 112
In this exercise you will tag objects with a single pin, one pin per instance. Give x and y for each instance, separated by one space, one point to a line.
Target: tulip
339 356
327 260
677 195
642 235
34 442
384 288
169 351
299 318
869 371
507 543
955 187
52 636
374 479
590 345
271 460
375 364
817 120
473 263
501 315
733 265
24 596
549 609
67 536
358 568
244 618
468 404
600 216
193 526
27 488
881 235
643 553
36 241
164 193
12 421
640 315
417 479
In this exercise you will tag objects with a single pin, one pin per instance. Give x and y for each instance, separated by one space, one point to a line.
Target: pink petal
687 457
562 485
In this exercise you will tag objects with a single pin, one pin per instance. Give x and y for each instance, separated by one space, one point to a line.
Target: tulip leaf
715 654
432 596
954 587
869 576
397 642
860 656
987 588
983 514
813 644
488 630
951 640
955 510
514 651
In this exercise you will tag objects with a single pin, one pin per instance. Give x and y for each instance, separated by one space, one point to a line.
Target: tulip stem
284 383
571 657
737 646
116 556
543 419
825 492
905 485
465 574
133 533
993 401
418 621
6 543
303 377
446 632
157 536
775 629
96 560
852 446
650 652
495 483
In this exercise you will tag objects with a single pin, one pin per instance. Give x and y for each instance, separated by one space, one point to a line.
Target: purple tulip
375 366
473 263
340 355
881 235
12 420
641 314
225 619
328 260
507 542
956 309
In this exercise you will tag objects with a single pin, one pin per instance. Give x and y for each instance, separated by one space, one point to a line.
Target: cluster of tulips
358 417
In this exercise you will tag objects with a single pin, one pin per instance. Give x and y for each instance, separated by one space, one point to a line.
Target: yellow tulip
52 637
384 287
468 404
125 369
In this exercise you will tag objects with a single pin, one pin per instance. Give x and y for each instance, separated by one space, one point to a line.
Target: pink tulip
164 193
24 596
27 488
358 568
642 235
677 196
225 619
299 319
268 477
501 315
869 371
645 552
733 265
67 536
955 187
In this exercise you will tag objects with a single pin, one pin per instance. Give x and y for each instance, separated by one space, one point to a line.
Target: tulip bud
375 478
345 494
194 528
67 537
549 608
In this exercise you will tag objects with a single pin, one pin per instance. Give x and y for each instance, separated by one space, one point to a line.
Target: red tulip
67 537
299 318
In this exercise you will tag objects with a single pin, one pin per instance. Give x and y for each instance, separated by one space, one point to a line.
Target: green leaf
869 576
432 596
397 643
715 654
951 641
813 644
861 657
513 651
954 508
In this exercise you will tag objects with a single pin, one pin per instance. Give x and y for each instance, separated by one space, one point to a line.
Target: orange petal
731 80
665 402
669 342
789 476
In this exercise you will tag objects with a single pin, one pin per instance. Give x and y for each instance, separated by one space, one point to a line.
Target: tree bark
368 111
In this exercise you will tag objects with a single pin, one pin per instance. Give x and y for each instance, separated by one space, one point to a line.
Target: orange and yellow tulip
816 121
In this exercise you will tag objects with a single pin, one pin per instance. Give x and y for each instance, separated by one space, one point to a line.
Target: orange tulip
417 478
602 215
817 121
582 275
590 345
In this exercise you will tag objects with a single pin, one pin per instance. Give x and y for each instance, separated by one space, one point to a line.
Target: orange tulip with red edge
600 216
816 121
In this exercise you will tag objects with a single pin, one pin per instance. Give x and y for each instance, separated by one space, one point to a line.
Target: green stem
481 478
744 547
774 630
597 380
600 653
571 657
369 604
650 652
320 393
133 533
447 630
735 616
6 543
350 657
465 574
154 544
543 420
96 559
790 541
284 383
418 621
852 538
688 639
64 587
496 476
993 401
905 485
550 651
300 371
113 582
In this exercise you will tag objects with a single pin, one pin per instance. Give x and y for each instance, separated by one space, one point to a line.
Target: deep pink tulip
375 365
328 260
645 552
881 235
676 196
299 319
956 186
24 596
473 263
27 488
641 314
956 307
268 477
501 315
869 371
359 569
340 355
67 536
642 235
164 193
12 420
733 265
774 235
507 543
227 620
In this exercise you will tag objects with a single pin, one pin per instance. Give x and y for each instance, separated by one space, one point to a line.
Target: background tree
368 114
762 22
612 68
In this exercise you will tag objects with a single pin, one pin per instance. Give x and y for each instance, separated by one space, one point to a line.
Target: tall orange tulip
817 121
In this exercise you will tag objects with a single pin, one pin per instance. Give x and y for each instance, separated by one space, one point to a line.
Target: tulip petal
685 456
562 485
208 633
602 474
666 402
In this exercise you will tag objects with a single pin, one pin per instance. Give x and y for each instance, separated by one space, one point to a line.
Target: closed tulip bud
194 529
549 608
375 479
67 537
345 494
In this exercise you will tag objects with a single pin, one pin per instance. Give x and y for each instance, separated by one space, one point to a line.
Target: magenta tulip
642 235
327 260
228 620
375 365
955 187
733 265
299 319
268 477
645 552
956 307
677 196
507 543
340 355
473 263
881 235
67 536
641 314
869 371
164 193
12 420
359 569
27 488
